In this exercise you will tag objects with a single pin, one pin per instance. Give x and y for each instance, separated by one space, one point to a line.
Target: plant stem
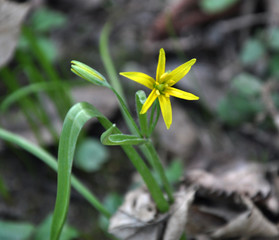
159 168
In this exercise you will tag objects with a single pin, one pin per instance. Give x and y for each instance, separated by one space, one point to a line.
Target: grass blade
49 160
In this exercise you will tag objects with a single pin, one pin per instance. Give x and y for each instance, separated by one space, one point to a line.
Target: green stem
159 168
140 99
127 115
152 122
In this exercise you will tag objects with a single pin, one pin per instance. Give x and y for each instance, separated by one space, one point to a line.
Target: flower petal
178 73
161 64
151 98
139 77
165 106
180 94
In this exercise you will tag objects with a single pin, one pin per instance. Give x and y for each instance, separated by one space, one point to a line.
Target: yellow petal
178 73
161 64
180 94
141 78
166 110
151 98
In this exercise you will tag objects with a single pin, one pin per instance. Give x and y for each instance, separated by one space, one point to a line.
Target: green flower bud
88 73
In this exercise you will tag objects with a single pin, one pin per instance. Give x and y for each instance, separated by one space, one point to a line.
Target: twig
239 23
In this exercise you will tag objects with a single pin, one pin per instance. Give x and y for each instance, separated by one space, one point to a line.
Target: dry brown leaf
247 179
11 16
231 204
179 213
250 223
138 219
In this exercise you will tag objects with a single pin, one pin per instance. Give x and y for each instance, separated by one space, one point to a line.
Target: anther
157 92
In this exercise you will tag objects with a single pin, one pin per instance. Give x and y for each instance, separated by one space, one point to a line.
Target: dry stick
273 11
239 23
247 8
223 27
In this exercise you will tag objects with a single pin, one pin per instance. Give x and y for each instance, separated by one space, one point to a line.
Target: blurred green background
236 76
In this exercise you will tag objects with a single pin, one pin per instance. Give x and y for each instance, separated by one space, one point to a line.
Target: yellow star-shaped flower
162 86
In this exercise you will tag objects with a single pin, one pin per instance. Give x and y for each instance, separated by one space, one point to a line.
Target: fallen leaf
12 15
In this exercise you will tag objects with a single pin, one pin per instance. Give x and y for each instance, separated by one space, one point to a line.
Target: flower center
160 87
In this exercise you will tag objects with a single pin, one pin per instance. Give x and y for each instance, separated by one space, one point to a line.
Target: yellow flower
162 86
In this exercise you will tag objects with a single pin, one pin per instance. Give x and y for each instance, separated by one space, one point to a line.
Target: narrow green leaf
25 91
62 99
52 163
108 63
77 116
123 139
27 106
108 138
113 77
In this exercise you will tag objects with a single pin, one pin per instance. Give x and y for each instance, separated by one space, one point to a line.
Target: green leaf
215 6
252 51
15 230
273 38
22 92
48 48
113 76
112 202
43 231
44 20
75 119
109 138
273 66
52 163
174 171
247 84
90 155
236 109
